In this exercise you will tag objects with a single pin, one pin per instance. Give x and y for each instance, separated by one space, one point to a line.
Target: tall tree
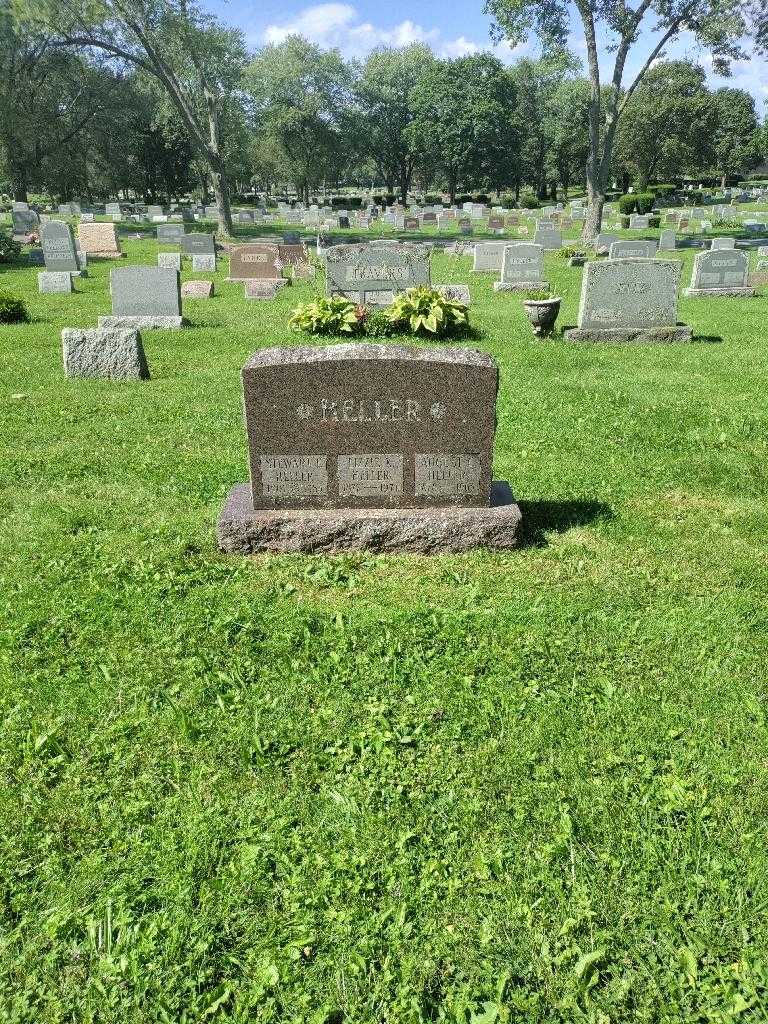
385 94
463 118
197 60
667 125
639 32
736 141
301 98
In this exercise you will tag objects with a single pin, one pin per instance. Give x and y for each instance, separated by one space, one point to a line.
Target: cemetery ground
523 786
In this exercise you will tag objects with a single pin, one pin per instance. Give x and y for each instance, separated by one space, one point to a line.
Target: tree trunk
221 192
19 184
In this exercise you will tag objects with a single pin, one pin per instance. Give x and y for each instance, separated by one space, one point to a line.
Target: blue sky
355 27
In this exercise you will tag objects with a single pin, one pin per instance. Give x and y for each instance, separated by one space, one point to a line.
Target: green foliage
376 324
627 204
9 249
528 201
645 201
569 251
536 295
507 200
654 222
12 309
334 315
424 311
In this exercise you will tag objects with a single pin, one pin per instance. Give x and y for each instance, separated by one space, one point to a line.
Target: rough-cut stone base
520 286
112 354
140 322
104 254
719 293
427 531
643 335
263 289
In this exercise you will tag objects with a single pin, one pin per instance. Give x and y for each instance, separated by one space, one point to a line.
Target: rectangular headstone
667 240
372 274
170 234
25 222
629 300
51 281
197 244
144 297
522 268
639 249
488 256
720 272
360 426
99 240
169 260
58 246
548 237
256 261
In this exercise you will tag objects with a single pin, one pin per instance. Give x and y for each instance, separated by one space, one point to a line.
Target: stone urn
542 313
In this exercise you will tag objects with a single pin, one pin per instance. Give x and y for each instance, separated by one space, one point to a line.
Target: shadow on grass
707 339
543 517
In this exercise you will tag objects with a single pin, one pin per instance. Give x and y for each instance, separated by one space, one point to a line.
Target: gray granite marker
144 297
58 246
50 281
373 274
109 353
632 249
169 260
630 300
720 273
362 446
522 268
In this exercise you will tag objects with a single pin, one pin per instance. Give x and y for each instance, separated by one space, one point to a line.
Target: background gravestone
720 272
522 268
626 248
99 240
369 446
144 297
25 222
488 256
258 261
367 273
170 233
630 300
548 237
198 244
58 246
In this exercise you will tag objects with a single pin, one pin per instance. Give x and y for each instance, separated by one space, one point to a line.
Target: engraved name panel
441 476
368 476
289 476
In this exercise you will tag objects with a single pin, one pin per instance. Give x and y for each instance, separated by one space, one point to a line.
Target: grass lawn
526 787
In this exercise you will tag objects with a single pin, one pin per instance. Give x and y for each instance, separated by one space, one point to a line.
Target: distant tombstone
197 290
144 297
603 243
630 300
722 243
296 256
364 446
548 237
639 221
522 268
429 218
721 272
667 240
496 223
155 211
343 221
58 246
671 218
107 353
488 256
291 238
266 289
513 220
465 226
113 210
18 205
25 222
639 249
99 240
169 260
196 244
204 263
51 281
87 218
411 224
372 274
257 261
170 234
683 223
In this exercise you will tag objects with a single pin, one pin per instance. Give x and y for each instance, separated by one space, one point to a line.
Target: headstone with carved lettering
488 256
548 236
258 261
144 297
720 272
522 268
373 274
638 249
363 446
58 246
630 300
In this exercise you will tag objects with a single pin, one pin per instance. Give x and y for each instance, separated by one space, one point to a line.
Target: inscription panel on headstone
367 426
361 271
58 246
629 293
720 268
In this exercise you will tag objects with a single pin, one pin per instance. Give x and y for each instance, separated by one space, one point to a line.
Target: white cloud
338 25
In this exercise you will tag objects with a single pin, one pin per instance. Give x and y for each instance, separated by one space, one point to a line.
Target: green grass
527 787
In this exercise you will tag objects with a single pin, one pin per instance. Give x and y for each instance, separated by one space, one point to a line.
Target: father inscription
383 447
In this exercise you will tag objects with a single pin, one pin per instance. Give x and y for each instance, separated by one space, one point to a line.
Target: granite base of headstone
169 260
50 282
144 297
110 354
369 447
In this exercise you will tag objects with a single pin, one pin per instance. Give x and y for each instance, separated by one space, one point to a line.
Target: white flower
437 410
304 412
